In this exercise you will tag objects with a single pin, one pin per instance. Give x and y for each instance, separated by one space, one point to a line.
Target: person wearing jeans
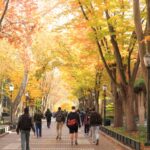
24 126
38 128
95 134
95 122
25 135
38 123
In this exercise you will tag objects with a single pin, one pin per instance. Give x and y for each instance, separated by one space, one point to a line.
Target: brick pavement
48 141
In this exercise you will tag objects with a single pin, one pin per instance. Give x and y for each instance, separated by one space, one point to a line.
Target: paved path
49 142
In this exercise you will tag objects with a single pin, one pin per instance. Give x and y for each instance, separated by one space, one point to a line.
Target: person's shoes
57 138
97 142
93 143
76 143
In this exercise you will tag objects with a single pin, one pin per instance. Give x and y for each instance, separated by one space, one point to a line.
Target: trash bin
107 122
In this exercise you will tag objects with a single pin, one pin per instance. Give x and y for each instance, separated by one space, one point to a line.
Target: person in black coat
48 116
73 122
95 122
24 126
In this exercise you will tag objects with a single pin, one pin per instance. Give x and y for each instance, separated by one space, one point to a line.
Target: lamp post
11 89
104 90
147 64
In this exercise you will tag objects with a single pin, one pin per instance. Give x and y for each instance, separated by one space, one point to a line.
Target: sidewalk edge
113 140
1 135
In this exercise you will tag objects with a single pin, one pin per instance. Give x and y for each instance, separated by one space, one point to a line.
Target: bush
139 86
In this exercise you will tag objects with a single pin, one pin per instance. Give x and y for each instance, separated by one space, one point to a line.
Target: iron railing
121 138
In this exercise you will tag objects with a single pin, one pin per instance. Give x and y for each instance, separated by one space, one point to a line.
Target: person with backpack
48 116
86 122
24 126
60 119
95 122
73 123
38 123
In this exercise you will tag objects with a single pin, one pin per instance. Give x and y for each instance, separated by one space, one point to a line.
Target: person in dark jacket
38 123
95 122
24 126
73 122
86 122
48 116
60 120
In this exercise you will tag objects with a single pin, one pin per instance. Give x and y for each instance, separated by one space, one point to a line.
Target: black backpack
60 116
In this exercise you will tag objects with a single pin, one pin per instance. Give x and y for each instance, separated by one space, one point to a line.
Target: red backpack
71 122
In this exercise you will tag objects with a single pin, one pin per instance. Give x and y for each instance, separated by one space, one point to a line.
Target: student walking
48 116
95 122
86 122
60 119
73 122
24 126
38 123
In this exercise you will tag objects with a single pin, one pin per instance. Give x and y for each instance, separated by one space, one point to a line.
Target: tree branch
130 50
4 13
135 70
116 49
98 44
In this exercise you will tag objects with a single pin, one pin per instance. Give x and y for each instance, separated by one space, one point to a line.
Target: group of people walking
91 120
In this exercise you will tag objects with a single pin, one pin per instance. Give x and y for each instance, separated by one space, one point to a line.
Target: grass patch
139 135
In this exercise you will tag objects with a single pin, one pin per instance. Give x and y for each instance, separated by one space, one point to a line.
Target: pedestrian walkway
48 141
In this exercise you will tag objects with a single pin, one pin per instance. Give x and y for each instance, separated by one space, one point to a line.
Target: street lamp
11 89
104 90
147 64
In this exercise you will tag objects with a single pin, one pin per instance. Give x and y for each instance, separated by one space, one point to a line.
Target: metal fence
123 139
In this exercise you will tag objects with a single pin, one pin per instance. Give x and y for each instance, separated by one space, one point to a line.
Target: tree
18 27
127 77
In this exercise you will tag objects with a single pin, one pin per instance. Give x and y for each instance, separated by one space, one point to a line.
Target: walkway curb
1 135
115 141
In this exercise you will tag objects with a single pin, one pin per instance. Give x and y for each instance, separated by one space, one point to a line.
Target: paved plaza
48 141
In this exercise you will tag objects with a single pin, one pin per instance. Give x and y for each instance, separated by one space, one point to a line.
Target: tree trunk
20 93
136 105
141 108
118 109
129 109
140 35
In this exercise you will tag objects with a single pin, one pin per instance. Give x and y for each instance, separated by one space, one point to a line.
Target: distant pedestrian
65 113
95 122
73 122
48 116
24 126
60 119
86 122
38 123
82 113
